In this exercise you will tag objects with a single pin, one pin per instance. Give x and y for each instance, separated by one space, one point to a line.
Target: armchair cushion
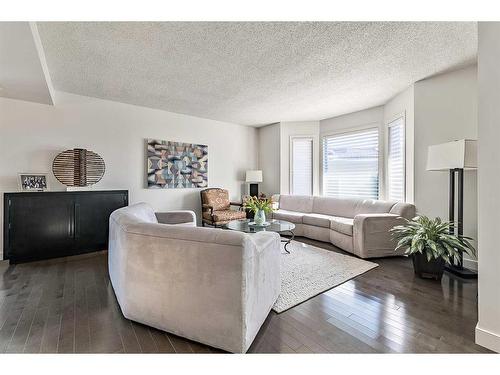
224 215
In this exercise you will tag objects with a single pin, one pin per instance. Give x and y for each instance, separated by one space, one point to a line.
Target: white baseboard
470 264
488 339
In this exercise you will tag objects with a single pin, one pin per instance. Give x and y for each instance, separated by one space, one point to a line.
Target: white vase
259 217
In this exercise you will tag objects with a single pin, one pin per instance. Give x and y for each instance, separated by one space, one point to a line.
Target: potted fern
260 207
431 245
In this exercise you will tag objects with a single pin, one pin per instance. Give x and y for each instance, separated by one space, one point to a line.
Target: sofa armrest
372 236
263 240
406 210
261 281
176 217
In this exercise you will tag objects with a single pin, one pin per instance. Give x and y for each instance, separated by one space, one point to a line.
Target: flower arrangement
255 204
260 207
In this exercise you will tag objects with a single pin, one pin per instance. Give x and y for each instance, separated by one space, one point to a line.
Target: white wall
445 110
31 135
349 121
371 117
488 327
269 158
302 128
403 104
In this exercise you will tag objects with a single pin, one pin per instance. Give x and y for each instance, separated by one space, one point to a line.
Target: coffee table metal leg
288 240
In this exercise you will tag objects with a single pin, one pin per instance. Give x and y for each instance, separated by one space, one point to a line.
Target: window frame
392 120
290 172
353 130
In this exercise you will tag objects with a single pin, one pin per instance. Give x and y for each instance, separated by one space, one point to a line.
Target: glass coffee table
278 226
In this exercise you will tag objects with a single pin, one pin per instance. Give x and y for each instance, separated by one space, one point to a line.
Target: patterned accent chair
216 207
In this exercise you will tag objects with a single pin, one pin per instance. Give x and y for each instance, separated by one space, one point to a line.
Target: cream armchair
208 285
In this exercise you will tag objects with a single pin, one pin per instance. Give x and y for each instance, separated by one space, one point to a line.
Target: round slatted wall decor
78 167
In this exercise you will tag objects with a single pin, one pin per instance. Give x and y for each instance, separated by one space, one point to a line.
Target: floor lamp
455 157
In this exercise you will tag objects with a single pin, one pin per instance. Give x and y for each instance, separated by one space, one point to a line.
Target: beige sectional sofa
358 226
209 285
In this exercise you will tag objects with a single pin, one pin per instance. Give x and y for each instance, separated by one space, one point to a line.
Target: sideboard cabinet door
54 224
92 219
40 227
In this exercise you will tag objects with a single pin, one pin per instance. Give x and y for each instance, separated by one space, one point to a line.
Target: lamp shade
460 154
253 176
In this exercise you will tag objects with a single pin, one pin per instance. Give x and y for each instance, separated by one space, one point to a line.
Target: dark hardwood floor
67 305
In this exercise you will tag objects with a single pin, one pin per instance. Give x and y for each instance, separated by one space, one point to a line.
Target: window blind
396 161
350 165
302 166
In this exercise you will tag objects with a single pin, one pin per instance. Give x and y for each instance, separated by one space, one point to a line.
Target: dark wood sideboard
42 225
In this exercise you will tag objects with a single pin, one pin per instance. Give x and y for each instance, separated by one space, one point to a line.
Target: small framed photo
33 182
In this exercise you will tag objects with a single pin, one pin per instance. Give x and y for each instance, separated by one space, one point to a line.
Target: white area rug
308 271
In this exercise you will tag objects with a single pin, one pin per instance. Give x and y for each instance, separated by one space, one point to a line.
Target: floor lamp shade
461 154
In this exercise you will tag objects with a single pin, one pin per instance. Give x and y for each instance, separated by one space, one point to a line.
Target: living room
249 187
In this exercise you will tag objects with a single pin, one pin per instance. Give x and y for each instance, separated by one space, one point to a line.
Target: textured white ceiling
252 73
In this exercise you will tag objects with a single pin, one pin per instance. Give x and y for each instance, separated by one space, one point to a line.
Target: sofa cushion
291 216
342 224
318 220
370 206
327 206
349 207
298 203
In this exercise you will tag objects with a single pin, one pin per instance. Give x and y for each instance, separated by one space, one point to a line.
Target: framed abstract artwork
176 165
